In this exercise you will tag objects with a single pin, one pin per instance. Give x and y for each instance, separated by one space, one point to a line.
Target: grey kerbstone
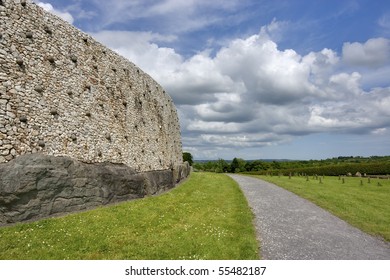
36 185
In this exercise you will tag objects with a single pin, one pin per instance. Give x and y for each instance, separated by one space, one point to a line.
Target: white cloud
252 94
141 48
384 23
242 140
213 127
321 65
274 31
226 107
49 8
373 53
344 85
380 131
168 16
269 75
330 117
376 77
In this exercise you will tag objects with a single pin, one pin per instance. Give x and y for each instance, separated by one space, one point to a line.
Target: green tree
198 166
241 164
256 165
234 166
238 165
188 157
222 166
275 165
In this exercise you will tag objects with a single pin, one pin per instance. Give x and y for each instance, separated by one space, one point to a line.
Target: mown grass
361 203
207 217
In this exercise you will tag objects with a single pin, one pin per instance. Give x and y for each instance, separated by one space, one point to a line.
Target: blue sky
298 79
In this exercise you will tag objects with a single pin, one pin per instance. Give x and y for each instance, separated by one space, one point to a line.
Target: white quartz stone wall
64 94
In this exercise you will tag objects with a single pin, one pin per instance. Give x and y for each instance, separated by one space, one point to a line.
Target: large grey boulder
36 186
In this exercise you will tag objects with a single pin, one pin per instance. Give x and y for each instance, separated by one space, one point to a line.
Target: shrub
382 168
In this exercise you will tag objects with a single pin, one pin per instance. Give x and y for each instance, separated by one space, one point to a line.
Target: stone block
37 185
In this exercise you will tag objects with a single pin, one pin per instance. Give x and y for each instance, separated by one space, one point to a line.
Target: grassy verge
206 217
361 203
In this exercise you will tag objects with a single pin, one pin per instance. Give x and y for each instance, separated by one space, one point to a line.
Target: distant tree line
333 166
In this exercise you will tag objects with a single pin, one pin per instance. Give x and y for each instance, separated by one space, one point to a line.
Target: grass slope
361 203
207 217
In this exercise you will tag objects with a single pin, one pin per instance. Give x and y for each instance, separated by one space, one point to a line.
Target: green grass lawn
359 202
206 217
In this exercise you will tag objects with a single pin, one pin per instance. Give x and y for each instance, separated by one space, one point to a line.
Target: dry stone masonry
63 94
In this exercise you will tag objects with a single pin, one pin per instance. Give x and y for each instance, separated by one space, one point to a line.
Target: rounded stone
73 58
50 59
47 29
9 157
19 61
11 115
38 89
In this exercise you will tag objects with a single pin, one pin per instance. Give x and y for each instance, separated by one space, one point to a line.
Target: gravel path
292 228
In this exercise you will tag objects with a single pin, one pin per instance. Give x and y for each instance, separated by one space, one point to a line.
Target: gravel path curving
292 228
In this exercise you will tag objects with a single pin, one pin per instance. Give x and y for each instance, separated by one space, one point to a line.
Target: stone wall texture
80 126
64 94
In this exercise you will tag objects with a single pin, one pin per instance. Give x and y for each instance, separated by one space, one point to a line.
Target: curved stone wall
80 126
64 94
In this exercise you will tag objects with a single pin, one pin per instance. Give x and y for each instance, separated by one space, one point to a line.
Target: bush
382 168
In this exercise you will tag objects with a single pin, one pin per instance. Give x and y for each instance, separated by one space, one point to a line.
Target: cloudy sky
297 79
